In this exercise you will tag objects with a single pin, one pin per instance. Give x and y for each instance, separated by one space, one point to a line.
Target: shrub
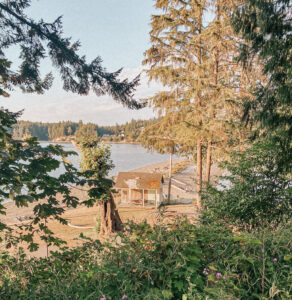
247 266
256 194
174 261
143 263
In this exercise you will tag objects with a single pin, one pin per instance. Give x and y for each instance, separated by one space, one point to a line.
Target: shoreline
183 188
105 142
15 214
83 218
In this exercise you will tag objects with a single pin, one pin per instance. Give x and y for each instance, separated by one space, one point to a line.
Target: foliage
26 177
86 135
113 270
255 194
96 163
65 130
25 173
206 262
245 265
157 137
192 54
267 30
38 39
97 223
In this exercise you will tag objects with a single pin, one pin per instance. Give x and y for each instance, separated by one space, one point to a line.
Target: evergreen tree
195 61
86 133
36 40
96 164
266 27
157 137
171 33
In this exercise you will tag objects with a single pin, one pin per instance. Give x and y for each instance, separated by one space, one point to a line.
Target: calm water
125 157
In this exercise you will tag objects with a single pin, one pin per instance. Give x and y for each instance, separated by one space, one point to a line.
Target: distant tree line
130 131
66 129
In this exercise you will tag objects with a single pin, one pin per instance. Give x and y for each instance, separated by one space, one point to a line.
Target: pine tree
170 61
196 62
158 137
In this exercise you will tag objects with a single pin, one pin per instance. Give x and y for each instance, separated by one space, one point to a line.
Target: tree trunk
199 174
199 141
170 175
208 163
110 220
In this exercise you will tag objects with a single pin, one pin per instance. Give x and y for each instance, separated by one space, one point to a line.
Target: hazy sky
115 30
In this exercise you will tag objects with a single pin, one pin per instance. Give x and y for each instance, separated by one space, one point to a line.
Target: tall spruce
194 59
172 32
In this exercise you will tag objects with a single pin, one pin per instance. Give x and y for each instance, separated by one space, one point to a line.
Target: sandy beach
183 187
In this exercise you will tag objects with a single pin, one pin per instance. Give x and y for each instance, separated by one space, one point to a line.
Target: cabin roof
138 180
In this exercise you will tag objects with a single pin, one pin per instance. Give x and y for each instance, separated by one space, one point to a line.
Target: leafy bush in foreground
256 194
176 261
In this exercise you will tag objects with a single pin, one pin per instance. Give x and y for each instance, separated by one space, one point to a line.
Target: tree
96 164
38 39
25 177
156 137
26 166
195 62
168 59
266 27
86 133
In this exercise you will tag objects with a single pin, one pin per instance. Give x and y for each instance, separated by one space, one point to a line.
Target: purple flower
103 297
275 260
206 271
218 275
124 296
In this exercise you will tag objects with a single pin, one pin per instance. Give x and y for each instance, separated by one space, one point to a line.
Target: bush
175 261
143 263
256 194
247 265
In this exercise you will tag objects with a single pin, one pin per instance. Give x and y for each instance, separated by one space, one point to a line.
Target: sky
115 30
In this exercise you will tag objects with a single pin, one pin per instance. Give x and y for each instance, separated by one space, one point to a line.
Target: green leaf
179 285
288 257
167 294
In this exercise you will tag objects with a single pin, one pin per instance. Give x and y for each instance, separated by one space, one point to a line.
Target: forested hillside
66 130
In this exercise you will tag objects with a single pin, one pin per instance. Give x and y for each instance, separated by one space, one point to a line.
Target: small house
137 188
